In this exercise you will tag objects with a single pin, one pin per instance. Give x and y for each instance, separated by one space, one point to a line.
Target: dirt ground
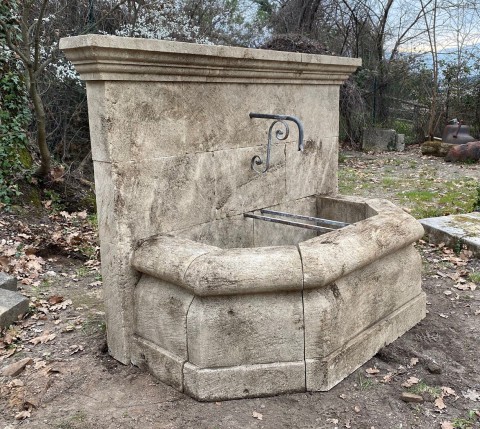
72 383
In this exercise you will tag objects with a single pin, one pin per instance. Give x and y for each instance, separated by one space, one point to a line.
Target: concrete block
243 330
246 381
161 315
323 374
338 312
12 305
8 282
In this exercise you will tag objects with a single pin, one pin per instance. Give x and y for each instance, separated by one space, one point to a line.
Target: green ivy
14 117
14 120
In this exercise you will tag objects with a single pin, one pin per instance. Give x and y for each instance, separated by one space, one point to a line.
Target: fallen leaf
372 370
42 339
440 404
257 416
413 361
461 286
75 349
388 378
16 383
22 415
40 364
410 382
55 299
447 425
448 391
61 305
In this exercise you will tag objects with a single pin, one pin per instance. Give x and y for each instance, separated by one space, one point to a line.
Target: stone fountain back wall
172 144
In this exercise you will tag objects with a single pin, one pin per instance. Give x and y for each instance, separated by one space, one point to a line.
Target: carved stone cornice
99 57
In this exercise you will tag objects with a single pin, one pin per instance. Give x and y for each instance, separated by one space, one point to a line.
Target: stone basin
224 323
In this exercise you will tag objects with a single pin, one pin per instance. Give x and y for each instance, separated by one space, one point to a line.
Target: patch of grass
465 423
82 272
364 383
389 181
77 421
93 325
423 387
474 277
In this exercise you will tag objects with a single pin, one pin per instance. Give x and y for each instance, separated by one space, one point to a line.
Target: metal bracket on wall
279 134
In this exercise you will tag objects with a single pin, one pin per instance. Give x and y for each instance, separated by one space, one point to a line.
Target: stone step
8 282
12 305
455 230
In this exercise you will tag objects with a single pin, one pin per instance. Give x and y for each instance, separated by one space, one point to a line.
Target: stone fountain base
220 323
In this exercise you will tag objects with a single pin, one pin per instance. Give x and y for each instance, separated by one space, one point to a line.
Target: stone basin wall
232 323
172 144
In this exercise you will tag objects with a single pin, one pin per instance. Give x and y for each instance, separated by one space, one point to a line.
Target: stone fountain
224 280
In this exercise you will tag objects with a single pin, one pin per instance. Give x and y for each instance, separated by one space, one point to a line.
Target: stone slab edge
164 365
12 305
244 381
323 374
443 230
8 282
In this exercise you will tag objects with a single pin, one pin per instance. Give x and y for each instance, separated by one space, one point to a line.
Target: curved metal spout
279 134
284 118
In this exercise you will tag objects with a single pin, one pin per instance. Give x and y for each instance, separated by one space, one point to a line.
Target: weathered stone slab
161 315
8 282
244 330
331 256
176 192
380 140
342 208
12 305
274 234
231 232
242 271
323 374
247 381
313 171
15 368
453 230
239 189
338 312
164 365
168 257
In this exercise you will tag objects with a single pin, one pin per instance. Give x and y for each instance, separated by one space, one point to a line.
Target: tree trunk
45 159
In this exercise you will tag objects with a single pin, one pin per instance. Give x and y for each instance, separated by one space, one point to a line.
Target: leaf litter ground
429 378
